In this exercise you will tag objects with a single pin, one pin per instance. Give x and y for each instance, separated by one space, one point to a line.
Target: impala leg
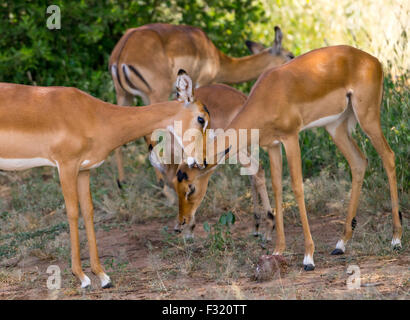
374 132
87 211
369 120
123 99
260 188
295 167
357 162
120 166
275 157
256 209
68 180
162 180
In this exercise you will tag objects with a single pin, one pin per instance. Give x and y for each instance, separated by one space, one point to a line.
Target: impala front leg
68 179
295 167
275 157
87 211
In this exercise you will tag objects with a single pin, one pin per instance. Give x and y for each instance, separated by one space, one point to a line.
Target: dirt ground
145 261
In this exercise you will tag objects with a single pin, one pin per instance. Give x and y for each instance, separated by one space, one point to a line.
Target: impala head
190 185
193 120
279 54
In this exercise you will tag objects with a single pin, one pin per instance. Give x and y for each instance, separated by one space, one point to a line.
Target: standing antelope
73 131
334 87
223 103
145 61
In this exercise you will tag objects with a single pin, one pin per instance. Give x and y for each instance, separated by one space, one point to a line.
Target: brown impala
146 59
75 132
223 103
334 87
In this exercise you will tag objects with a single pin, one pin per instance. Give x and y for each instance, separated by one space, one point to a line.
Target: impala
334 87
145 61
223 103
75 132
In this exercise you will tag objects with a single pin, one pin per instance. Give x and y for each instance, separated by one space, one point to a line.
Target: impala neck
235 70
125 124
244 120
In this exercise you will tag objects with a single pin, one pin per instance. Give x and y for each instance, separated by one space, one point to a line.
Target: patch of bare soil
134 258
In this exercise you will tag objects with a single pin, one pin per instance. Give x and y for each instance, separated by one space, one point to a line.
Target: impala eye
201 120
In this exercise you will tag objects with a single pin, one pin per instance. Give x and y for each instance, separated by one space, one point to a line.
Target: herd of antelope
333 87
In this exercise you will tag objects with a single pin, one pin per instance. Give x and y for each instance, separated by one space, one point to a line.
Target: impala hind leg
275 157
123 99
258 183
68 179
369 121
295 167
357 162
87 211
256 210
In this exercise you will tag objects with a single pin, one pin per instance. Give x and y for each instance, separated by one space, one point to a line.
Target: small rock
268 266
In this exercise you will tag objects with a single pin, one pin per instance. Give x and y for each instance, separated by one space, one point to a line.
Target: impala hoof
85 283
337 252
105 281
119 184
396 244
397 247
256 234
108 285
309 267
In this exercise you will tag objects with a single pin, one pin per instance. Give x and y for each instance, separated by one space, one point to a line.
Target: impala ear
254 47
184 87
277 43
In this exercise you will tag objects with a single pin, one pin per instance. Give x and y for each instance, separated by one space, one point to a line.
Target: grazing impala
223 103
334 87
73 131
145 61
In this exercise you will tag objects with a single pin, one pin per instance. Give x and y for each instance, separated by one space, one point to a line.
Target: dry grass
147 260
378 27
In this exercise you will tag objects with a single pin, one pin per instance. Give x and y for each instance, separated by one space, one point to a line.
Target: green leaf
222 220
230 217
207 228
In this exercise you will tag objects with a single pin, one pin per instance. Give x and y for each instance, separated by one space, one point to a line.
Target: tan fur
157 51
75 131
322 83
223 103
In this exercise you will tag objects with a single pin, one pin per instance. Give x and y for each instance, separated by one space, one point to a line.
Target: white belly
85 165
23 164
322 122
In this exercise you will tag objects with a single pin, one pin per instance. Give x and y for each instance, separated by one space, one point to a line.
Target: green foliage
219 234
77 54
34 239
